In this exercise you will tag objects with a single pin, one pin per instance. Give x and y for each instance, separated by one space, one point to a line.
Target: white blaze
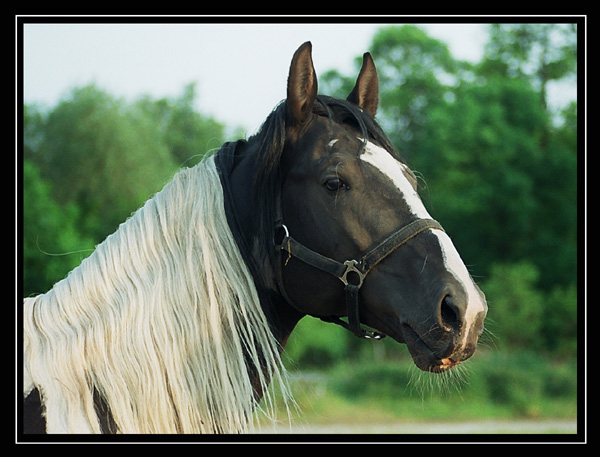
395 170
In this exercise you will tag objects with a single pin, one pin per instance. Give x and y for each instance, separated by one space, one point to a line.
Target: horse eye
335 184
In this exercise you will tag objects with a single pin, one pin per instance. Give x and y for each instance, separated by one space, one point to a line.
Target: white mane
161 320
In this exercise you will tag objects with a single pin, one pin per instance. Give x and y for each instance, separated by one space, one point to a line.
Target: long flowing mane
176 322
162 321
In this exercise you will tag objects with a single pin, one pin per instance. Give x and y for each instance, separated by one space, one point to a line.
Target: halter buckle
284 240
351 267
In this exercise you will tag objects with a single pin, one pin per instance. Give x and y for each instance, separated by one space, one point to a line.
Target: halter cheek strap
352 272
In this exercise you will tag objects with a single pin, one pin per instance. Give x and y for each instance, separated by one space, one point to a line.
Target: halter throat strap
352 272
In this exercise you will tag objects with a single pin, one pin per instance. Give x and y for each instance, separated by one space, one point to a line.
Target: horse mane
162 321
167 322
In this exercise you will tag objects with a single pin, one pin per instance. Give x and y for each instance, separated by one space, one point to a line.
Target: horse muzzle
440 350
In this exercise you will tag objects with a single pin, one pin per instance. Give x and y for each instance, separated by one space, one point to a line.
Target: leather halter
351 272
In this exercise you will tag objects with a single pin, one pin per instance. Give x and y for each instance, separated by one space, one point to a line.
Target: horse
176 322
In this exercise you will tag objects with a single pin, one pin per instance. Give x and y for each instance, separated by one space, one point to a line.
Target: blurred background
485 114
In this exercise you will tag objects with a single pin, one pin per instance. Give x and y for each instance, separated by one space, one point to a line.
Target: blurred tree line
497 168
92 160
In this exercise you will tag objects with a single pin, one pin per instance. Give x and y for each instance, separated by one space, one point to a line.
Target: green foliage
187 134
520 384
477 158
97 151
373 380
90 162
49 232
540 53
523 381
413 71
316 344
516 306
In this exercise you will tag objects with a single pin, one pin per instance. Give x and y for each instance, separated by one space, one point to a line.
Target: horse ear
366 90
302 86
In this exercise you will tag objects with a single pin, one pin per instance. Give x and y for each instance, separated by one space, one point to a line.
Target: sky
240 70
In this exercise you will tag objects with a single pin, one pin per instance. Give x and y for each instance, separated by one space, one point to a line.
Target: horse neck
283 319
245 199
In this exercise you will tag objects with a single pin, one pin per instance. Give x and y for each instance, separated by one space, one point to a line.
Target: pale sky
240 69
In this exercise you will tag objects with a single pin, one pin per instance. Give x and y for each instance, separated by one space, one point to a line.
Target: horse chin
423 357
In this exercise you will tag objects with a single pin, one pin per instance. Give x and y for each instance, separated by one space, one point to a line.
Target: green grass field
492 387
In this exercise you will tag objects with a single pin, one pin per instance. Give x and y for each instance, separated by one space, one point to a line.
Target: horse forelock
162 321
271 136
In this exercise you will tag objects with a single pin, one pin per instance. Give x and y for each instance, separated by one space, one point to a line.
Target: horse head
344 191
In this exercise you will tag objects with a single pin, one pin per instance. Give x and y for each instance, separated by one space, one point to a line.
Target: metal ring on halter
351 267
288 249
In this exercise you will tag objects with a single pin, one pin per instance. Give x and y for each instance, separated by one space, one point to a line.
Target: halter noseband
351 272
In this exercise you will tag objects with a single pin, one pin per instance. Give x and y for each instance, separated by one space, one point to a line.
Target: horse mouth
423 356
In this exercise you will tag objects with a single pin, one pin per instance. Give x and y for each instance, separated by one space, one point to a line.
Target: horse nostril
449 316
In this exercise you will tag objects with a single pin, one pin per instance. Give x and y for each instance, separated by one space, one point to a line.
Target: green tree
553 245
524 315
415 71
478 157
187 134
33 133
92 160
516 305
52 245
558 328
541 53
102 158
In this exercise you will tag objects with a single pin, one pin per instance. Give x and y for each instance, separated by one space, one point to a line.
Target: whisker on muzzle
426 385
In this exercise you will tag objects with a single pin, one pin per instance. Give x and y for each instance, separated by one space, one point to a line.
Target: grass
492 386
